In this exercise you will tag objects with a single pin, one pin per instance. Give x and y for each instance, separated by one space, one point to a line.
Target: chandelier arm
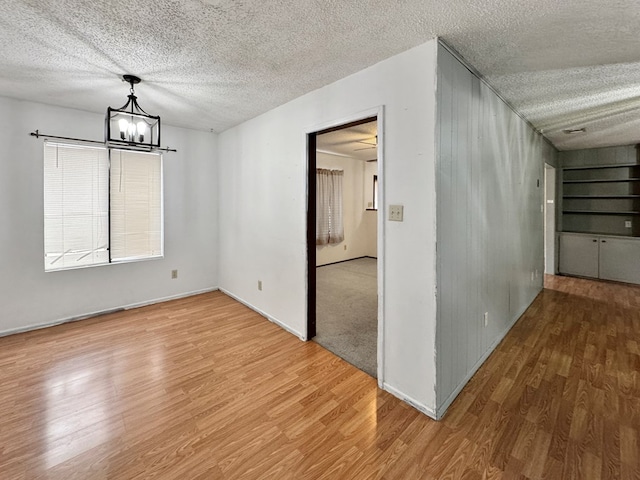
135 103
125 106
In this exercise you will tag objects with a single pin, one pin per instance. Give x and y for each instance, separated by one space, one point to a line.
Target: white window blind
76 206
136 205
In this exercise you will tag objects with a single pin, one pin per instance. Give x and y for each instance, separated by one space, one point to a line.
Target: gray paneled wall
598 156
490 255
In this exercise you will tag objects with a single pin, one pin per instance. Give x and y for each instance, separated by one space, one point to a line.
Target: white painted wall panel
489 222
31 297
263 209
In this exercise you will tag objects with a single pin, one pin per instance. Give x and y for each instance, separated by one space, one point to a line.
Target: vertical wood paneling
598 156
477 242
489 222
445 104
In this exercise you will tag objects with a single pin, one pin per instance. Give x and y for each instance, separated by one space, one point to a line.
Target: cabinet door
620 259
579 255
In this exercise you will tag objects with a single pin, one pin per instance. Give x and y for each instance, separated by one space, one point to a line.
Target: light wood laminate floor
203 388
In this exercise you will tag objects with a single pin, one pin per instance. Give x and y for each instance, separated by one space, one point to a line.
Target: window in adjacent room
375 192
100 207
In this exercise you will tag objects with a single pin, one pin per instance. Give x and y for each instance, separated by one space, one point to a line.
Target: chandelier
129 126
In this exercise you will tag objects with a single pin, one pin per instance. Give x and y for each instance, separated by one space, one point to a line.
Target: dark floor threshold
349 260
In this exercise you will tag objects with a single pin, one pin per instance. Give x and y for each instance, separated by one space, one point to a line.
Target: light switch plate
627 224
396 213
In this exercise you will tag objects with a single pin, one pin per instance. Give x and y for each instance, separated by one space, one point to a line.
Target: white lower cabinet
598 256
620 259
578 255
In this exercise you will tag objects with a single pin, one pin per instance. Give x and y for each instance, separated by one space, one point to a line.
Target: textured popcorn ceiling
357 142
211 64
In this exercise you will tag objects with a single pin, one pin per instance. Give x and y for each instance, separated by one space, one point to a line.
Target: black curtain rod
37 134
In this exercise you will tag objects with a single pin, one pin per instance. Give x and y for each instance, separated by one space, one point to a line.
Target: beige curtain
329 225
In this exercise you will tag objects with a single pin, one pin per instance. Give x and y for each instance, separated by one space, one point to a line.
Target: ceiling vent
573 131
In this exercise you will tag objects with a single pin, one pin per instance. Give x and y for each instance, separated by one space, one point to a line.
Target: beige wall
359 230
370 218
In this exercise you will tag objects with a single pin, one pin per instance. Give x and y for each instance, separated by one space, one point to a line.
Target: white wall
550 255
370 230
490 222
263 172
357 236
31 297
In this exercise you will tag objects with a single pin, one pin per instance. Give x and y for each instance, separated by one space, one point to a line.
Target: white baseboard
265 315
429 412
96 313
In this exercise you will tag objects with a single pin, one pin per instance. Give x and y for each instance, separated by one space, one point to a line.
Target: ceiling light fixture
371 145
573 131
129 126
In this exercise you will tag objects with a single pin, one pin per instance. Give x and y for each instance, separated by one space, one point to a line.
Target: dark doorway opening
366 146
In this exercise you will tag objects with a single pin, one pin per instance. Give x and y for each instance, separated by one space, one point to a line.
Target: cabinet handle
604 241
595 240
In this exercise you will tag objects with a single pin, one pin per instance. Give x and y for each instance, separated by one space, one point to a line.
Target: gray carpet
347 311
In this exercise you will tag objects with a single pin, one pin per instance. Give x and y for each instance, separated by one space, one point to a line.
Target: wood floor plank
204 388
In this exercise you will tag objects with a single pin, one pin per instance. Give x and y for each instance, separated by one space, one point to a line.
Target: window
100 207
136 205
329 225
375 192
76 206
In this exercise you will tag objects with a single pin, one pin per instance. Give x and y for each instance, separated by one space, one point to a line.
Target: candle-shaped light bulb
132 131
142 127
124 126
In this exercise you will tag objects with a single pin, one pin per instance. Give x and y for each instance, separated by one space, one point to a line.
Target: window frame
375 193
110 260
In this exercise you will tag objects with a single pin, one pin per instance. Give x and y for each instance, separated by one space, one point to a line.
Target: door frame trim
311 133
553 208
